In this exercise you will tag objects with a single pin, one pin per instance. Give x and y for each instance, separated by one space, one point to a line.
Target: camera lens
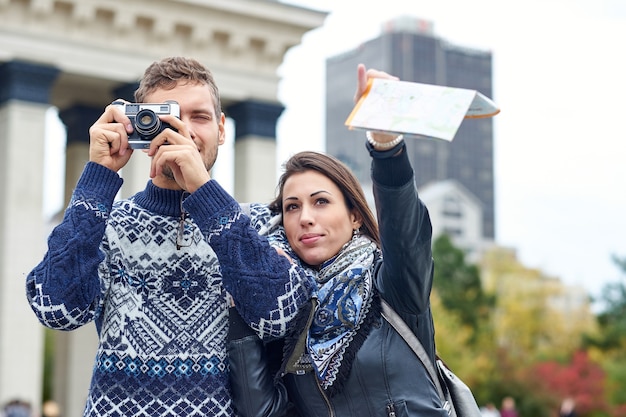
147 123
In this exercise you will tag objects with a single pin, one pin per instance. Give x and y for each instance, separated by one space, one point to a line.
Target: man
146 269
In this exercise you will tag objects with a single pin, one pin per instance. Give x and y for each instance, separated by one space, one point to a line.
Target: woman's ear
357 220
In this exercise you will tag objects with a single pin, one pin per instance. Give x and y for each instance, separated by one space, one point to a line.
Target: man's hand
108 139
178 153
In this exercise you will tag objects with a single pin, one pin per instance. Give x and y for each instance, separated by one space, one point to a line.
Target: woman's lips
310 239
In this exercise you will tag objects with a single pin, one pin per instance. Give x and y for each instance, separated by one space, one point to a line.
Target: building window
452 207
453 232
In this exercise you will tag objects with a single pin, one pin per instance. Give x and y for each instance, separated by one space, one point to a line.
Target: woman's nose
306 216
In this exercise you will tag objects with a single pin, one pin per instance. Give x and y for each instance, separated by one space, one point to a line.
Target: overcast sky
560 148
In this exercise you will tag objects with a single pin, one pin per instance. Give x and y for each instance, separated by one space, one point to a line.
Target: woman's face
315 216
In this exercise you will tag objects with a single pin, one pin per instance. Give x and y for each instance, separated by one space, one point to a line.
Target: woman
342 358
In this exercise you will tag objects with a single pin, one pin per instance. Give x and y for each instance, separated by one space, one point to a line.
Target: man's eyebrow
203 111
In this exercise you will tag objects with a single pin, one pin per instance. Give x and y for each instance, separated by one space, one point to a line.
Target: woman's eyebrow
310 195
319 192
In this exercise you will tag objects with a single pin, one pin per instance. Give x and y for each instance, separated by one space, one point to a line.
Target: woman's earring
356 233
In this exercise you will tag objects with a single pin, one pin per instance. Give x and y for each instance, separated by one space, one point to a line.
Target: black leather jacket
386 378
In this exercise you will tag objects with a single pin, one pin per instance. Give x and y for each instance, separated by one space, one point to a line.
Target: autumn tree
578 378
496 322
535 319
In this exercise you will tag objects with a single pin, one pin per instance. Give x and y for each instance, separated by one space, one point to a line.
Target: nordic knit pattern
160 312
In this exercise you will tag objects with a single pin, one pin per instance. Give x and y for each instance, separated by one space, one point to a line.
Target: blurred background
527 207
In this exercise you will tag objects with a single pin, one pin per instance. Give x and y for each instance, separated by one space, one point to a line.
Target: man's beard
169 174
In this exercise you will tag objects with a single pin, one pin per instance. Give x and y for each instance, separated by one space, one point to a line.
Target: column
255 149
77 120
24 96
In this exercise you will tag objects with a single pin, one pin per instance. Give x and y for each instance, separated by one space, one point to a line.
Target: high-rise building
408 49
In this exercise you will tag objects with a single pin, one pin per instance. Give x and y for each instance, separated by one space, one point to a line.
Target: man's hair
338 173
166 73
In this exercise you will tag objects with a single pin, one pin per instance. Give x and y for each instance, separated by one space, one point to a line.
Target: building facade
408 49
456 212
78 56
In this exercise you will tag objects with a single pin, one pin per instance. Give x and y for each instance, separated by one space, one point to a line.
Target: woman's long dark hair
338 173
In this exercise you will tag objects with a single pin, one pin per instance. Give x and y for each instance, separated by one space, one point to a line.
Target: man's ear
221 132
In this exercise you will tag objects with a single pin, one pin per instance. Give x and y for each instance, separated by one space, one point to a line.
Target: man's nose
189 126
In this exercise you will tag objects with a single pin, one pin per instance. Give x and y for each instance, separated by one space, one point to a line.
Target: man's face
197 111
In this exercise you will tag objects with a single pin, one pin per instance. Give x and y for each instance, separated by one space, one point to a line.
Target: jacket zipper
391 410
326 400
180 233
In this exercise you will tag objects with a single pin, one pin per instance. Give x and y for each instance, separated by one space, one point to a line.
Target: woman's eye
290 207
321 201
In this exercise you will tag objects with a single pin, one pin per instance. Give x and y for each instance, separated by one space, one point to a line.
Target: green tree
459 286
610 339
462 312
612 319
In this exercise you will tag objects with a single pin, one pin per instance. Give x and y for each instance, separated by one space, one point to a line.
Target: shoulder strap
409 337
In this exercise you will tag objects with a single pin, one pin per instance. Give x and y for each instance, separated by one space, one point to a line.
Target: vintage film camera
145 120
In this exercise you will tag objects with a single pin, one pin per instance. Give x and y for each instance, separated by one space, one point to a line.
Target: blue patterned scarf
345 297
345 294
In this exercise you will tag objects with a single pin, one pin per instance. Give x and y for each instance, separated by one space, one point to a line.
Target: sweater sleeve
268 289
64 290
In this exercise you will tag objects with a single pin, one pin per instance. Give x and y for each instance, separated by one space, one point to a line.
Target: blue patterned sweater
161 309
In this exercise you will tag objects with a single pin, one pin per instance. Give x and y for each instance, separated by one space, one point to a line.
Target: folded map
415 109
